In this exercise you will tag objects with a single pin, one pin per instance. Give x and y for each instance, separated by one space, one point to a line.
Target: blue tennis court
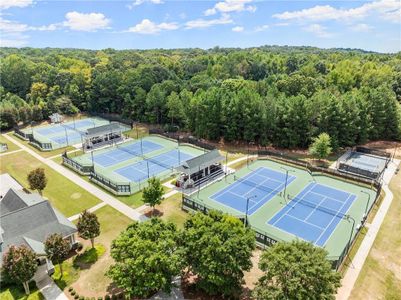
314 213
262 185
126 152
72 137
139 171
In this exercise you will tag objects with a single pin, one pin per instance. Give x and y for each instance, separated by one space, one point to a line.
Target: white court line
291 207
303 221
332 219
314 209
328 197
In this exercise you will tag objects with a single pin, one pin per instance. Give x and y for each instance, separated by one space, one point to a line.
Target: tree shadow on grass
90 256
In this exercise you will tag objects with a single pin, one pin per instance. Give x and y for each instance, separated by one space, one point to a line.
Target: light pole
247 206
66 136
286 178
147 165
367 203
348 217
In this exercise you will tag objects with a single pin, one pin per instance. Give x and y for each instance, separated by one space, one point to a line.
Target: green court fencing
113 117
81 169
118 188
40 145
23 135
176 136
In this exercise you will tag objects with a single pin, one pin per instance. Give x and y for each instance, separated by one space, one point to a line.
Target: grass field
380 277
65 195
91 281
171 210
17 293
11 145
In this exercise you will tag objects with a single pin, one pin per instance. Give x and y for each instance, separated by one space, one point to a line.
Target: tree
321 146
37 180
296 270
153 193
147 257
19 264
57 249
88 226
218 249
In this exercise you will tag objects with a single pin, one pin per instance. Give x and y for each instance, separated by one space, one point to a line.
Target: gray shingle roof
103 129
202 161
33 223
15 199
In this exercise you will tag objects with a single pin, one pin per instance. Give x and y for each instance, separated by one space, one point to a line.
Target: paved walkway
50 290
358 261
11 152
103 196
92 209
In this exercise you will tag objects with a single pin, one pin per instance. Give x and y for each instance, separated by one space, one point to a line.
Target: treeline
283 96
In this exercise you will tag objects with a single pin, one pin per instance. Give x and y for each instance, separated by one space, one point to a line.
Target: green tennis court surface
66 133
313 208
133 162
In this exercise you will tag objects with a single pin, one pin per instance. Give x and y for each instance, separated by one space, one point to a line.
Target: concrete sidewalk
50 290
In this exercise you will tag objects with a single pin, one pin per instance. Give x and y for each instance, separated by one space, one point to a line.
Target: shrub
70 289
107 297
73 293
99 298
114 297
82 298
76 297
79 246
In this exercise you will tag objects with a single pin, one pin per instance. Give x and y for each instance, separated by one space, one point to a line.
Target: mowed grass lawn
91 281
11 145
65 195
380 277
16 292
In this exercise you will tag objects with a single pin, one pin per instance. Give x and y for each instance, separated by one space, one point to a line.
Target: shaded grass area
171 211
11 145
70 274
65 195
89 256
89 268
380 277
16 292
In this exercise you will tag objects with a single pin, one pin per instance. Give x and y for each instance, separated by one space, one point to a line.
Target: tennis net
134 153
315 206
71 128
254 184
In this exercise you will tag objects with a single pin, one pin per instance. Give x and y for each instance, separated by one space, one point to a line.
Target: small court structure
125 168
364 162
58 135
282 201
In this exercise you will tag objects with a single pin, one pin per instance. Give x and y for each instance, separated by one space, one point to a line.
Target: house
28 219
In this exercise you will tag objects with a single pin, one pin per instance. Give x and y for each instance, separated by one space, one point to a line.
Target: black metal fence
82 169
372 151
176 136
116 187
23 135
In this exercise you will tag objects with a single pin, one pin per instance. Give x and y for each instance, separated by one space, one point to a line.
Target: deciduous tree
147 257
153 193
88 226
296 270
19 264
57 249
37 180
218 249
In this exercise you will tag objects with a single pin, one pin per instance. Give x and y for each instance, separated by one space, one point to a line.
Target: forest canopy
284 96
